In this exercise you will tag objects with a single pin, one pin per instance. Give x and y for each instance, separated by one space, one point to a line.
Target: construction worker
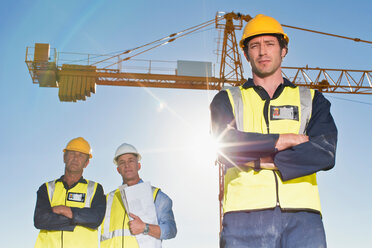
274 137
70 209
117 229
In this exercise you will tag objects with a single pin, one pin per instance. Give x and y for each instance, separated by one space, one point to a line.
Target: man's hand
267 163
289 140
63 210
136 226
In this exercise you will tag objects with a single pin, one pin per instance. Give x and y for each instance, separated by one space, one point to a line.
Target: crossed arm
63 218
293 155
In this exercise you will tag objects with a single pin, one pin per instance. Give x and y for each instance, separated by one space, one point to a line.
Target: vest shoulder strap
306 108
106 223
154 192
90 192
237 105
51 186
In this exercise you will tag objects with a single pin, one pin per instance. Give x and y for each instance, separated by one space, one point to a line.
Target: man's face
128 167
75 162
265 55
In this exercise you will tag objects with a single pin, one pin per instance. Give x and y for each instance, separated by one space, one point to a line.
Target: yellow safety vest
246 189
80 196
115 226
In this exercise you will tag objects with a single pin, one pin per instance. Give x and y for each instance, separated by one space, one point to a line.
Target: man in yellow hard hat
275 137
70 209
120 228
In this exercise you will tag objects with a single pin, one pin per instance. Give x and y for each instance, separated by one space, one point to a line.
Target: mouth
264 61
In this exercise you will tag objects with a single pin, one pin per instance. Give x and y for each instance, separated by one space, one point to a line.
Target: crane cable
170 38
198 27
334 35
164 43
341 98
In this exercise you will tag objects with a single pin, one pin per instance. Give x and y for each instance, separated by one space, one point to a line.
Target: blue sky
35 126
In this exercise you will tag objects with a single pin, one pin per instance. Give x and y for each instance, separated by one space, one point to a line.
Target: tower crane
77 81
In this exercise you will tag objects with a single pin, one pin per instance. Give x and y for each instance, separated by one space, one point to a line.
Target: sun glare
161 106
203 145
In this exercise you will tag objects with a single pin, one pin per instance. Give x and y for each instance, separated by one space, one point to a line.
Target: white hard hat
124 149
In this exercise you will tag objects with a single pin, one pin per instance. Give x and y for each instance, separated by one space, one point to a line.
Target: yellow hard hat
262 24
80 145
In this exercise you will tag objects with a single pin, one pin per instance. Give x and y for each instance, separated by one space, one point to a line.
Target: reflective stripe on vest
246 189
90 191
106 223
89 195
238 107
115 233
306 108
51 187
105 232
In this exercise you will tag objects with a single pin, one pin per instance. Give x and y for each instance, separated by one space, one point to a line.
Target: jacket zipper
62 230
277 189
266 115
122 236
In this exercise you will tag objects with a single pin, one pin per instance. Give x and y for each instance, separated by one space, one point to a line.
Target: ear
117 169
246 56
86 163
139 165
284 52
64 157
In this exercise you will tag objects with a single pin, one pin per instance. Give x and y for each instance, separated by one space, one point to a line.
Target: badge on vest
287 112
76 197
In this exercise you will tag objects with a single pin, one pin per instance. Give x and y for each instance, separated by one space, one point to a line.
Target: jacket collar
262 92
140 181
81 180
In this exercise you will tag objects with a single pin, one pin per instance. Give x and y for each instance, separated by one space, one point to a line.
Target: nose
125 164
74 155
263 49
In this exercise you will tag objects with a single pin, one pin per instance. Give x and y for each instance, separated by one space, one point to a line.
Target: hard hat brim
116 158
77 150
242 41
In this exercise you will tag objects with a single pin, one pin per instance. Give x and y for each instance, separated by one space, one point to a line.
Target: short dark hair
282 42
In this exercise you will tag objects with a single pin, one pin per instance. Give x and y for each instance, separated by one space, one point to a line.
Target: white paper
124 198
138 199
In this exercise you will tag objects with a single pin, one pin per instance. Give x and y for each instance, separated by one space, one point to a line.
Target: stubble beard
265 72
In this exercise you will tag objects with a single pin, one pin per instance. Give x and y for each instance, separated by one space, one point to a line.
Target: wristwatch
147 229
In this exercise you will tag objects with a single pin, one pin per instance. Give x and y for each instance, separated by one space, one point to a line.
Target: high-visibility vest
247 189
115 231
80 196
